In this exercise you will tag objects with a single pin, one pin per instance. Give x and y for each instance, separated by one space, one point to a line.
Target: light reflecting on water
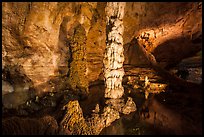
153 120
128 125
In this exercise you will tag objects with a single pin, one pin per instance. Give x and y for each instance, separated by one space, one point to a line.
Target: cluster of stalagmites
76 124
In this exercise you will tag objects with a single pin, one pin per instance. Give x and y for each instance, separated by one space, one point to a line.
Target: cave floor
177 111
170 112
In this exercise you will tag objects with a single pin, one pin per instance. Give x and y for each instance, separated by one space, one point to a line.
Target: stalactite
114 58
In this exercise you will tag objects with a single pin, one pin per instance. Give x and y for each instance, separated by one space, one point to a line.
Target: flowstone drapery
114 58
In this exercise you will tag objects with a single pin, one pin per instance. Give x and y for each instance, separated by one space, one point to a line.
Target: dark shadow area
95 96
173 51
167 113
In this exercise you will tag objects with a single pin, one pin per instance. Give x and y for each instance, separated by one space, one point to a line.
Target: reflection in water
160 121
128 125
116 128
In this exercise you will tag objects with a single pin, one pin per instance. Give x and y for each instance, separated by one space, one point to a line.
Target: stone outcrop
75 123
161 39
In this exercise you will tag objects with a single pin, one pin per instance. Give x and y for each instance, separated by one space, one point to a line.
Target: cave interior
61 61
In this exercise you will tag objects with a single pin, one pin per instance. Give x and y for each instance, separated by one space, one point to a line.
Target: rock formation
52 47
45 45
114 58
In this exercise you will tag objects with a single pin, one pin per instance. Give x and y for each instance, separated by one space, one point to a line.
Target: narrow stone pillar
114 58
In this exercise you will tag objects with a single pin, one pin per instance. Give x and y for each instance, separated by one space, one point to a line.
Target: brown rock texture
46 125
164 33
54 45
49 45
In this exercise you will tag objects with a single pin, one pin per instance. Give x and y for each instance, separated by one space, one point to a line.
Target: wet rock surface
46 125
35 113
190 68
52 69
165 113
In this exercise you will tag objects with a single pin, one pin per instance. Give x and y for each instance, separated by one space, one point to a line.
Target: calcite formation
114 58
77 73
74 121
42 43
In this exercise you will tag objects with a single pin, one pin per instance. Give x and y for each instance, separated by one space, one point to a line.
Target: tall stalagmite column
114 58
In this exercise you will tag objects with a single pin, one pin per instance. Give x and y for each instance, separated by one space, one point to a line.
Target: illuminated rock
114 58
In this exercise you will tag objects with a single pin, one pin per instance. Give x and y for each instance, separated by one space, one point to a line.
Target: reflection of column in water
146 86
115 128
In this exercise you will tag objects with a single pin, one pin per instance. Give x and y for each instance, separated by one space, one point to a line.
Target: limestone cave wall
59 45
